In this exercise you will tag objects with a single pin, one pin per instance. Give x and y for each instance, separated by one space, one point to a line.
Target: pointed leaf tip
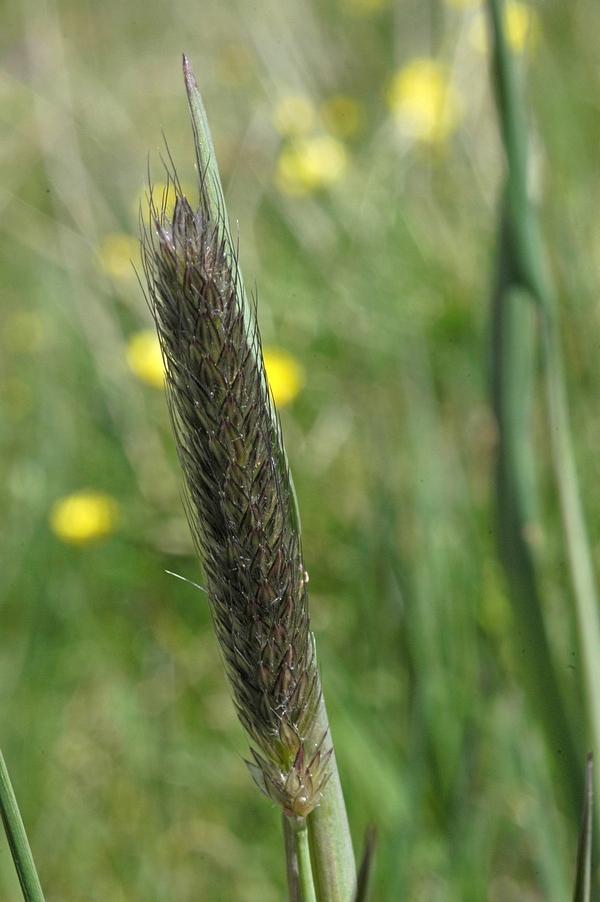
211 191
188 73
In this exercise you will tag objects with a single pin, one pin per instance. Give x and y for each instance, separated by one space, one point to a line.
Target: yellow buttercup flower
117 254
285 375
163 195
145 359
84 517
341 115
521 25
310 164
294 116
424 102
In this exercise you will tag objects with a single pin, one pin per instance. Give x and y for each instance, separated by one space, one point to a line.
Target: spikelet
240 500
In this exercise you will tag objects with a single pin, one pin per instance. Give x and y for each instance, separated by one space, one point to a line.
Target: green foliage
125 752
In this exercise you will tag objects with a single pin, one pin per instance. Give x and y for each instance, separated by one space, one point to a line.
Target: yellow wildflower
117 253
84 517
310 164
341 115
163 195
23 332
521 28
294 116
145 359
424 102
521 25
285 375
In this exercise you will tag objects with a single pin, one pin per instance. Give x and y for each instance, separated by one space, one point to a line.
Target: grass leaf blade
17 839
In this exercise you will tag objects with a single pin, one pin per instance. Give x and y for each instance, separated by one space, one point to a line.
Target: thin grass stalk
305 881
365 873
533 272
291 861
17 839
243 515
513 360
583 869
513 347
578 549
329 837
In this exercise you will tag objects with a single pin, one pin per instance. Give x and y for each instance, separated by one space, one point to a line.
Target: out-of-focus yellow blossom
235 66
521 28
162 195
84 517
424 102
294 116
363 7
285 375
23 332
117 254
341 115
521 25
310 164
145 359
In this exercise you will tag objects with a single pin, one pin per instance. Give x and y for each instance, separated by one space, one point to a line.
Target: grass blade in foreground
365 873
532 270
243 515
583 871
17 839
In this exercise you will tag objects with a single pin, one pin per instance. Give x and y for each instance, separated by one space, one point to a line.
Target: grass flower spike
241 505
242 511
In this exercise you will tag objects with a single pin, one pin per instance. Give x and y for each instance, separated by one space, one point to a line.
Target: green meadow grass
115 720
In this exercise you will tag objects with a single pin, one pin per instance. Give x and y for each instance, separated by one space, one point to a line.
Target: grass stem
306 883
532 272
331 850
17 839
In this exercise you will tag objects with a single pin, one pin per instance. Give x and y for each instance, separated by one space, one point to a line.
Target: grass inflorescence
239 500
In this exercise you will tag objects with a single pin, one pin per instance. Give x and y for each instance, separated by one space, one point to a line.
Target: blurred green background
358 144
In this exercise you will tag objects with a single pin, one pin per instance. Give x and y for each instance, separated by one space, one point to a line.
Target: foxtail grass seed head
240 501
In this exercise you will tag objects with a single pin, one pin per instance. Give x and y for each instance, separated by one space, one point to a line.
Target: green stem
17 839
533 273
331 850
583 870
513 358
305 880
291 861
578 550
